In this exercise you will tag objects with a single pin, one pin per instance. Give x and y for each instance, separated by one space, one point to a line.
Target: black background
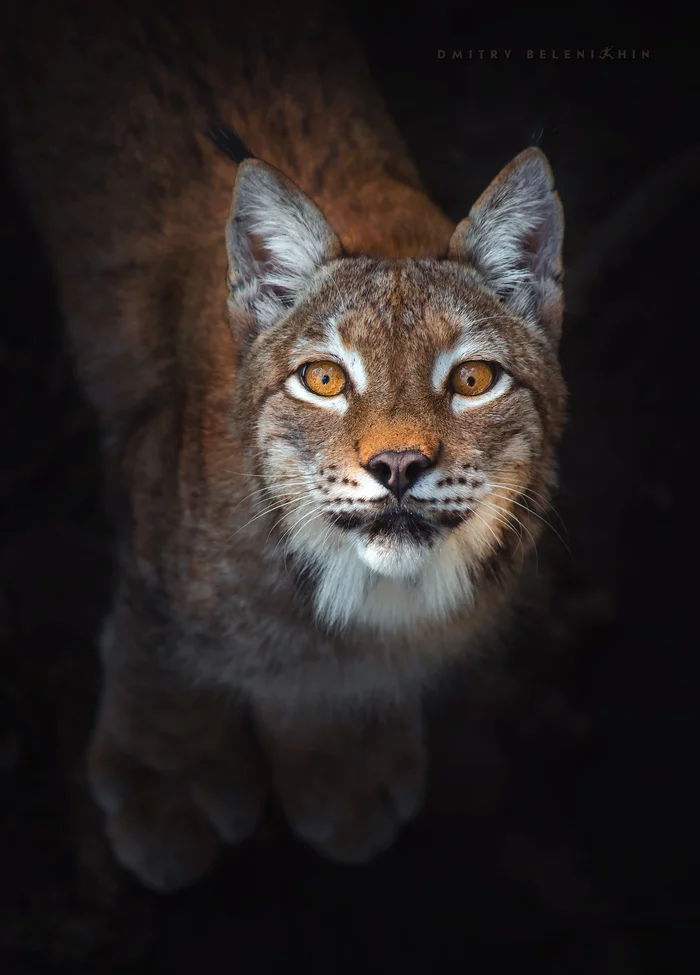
562 828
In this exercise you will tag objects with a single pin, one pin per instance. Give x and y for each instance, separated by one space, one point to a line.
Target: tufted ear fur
276 239
513 236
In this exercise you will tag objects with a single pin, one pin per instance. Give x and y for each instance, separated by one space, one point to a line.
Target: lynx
329 415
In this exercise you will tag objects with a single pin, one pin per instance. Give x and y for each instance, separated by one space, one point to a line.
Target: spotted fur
272 592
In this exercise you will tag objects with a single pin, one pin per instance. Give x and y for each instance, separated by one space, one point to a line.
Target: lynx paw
350 800
167 827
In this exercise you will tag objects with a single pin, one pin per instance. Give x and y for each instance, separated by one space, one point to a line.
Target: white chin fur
393 558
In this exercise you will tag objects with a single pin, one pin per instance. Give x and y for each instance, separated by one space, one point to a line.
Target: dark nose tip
398 469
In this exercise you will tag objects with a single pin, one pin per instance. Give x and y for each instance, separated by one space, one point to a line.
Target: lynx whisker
267 511
293 532
544 502
268 490
514 518
544 521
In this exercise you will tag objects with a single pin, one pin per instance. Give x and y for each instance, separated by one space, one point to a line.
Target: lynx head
401 415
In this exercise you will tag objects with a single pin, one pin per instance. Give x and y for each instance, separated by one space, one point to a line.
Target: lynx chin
329 415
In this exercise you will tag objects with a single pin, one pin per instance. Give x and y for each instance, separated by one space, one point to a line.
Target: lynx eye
473 378
324 378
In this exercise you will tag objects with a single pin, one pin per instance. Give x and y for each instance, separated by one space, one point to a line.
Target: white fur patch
392 558
501 386
352 592
350 358
368 489
295 387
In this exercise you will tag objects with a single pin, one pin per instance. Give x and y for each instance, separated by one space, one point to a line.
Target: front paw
167 827
347 790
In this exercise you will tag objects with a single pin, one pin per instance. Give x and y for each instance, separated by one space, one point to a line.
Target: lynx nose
398 470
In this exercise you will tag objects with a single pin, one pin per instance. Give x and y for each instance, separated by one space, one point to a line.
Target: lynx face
402 413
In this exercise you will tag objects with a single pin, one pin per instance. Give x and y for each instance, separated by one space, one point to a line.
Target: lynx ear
513 236
276 239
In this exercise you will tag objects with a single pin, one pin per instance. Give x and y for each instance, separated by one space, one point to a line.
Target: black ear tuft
229 142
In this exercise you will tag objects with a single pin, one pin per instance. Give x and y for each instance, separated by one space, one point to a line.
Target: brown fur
214 654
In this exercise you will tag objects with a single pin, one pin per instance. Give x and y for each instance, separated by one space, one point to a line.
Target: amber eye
324 378
473 378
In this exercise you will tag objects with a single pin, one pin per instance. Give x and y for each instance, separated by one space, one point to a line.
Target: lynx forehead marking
330 345
348 356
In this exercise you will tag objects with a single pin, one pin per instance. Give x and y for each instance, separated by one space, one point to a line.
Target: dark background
561 830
